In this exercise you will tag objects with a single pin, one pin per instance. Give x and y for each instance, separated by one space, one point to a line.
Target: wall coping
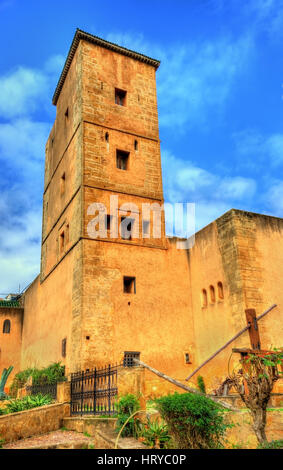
37 409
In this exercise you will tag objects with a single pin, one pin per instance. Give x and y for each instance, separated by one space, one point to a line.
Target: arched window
7 326
220 290
212 294
204 298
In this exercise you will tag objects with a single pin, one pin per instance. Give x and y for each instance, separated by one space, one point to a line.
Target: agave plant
3 380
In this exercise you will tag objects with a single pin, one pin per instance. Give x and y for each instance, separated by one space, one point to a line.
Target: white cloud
24 90
236 188
20 91
19 251
274 198
213 194
260 150
265 16
22 138
194 80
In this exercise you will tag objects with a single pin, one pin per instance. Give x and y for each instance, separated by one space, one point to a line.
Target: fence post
109 388
82 393
94 392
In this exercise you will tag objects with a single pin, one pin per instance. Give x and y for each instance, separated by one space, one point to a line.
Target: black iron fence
94 391
46 389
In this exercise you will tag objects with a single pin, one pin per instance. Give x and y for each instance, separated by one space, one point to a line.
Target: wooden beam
229 342
181 385
253 328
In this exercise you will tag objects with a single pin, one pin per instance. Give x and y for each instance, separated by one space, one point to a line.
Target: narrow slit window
7 327
220 290
187 358
212 294
62 184
129 285
136 144
67 113
127 227
64 347
122 160
62 242
120 97
107 137
204 298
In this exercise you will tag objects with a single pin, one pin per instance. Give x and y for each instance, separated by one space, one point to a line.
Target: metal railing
94 391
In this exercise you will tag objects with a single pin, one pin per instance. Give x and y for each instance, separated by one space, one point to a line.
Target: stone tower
104 143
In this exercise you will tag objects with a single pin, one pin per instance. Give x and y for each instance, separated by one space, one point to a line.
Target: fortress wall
10 343
156 321
48 316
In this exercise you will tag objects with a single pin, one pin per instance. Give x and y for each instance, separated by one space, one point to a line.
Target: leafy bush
46 376
126 406
155 434
49 375
27 403
201 384
194 421
271 445
2 442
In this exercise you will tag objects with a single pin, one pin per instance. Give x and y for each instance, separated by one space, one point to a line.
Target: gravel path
55 439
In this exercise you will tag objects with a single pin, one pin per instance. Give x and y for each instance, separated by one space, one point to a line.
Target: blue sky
219 99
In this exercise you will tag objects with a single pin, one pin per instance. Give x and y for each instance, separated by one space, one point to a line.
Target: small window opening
101 85
204 298
129 285
67 237
127 227
136 145
212 294
62 183
122 160
64 347
187 358
107 137
220 290
62 242
120 97
87 338
7 327
67 113
128 358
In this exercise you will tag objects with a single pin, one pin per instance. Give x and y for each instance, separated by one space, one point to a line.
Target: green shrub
46 376
155 434
126 406
27 403
194 421
201 384
271 445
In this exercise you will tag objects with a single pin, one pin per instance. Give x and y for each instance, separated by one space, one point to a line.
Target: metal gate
46 389
94 391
